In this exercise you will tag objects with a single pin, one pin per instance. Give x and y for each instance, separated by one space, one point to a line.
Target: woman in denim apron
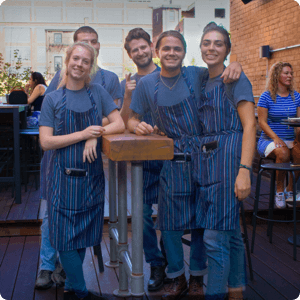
223 166
75 179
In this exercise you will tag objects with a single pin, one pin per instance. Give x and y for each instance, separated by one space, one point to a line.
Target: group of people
208 112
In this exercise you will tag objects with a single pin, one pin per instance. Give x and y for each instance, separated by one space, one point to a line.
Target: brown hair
173 33
135 34
69 52
272 82
212 26
84 29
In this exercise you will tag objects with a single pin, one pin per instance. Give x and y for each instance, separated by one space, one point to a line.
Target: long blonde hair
272 82
64 71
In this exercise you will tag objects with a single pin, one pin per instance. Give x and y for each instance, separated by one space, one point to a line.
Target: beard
144 64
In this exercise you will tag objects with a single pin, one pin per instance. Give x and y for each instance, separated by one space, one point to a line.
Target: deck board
27 269
276 274
10 266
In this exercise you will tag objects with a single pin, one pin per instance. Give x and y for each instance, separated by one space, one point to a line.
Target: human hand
232 72
158 131
242 186
90 150
143 129
129 85
279 142
93 131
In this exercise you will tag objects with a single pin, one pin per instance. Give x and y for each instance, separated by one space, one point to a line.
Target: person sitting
35 89
279 101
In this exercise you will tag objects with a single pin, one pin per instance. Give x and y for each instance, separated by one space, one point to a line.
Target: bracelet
135 127
245 167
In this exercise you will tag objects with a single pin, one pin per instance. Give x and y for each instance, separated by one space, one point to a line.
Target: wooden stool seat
288 167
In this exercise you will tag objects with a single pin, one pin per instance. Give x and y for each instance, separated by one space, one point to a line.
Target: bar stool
288 167
32 154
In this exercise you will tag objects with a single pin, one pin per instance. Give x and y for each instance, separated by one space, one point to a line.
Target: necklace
170 88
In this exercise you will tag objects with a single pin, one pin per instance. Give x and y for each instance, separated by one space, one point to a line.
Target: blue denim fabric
175 256
48 254
72 263
226 262
153 255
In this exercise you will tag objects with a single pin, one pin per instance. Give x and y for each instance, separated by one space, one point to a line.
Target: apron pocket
80 193
176 178
208 167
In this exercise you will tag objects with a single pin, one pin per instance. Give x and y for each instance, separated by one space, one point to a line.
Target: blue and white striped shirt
282 108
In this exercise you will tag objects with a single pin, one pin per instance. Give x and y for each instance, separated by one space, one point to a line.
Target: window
57 38
220 13
172 15
57 63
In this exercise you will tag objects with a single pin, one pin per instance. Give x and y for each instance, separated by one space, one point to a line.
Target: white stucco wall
193 27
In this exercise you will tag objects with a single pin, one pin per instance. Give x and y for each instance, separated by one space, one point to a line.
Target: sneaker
289 199
44 280
280 200
59 276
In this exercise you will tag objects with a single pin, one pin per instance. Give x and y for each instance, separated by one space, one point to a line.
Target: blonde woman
279 101
71 126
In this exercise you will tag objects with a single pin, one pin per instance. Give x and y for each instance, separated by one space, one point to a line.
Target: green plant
11 74
156 60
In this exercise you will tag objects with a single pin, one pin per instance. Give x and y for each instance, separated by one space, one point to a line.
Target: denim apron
216 170
176 202
151 172
75 204
47 155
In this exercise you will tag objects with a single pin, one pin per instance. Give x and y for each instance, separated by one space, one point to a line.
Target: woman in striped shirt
279 101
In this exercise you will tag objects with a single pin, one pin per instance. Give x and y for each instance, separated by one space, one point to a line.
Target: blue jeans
48 254
175 257
226 262
153 255
72 263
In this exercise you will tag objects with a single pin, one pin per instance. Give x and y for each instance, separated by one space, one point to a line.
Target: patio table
16 111
135 149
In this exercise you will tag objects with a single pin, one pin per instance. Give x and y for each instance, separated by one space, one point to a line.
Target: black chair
31 154
275 167
98 252
17 97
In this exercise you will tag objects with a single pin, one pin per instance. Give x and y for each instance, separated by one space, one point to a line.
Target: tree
12 75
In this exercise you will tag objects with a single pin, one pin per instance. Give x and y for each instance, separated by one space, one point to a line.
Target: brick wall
265 22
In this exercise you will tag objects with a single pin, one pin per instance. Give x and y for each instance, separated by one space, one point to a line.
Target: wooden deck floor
276 274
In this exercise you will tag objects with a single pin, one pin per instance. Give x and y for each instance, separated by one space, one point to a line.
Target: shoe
289 199
70 295
59 276
176 289
157 276
196 288
236 295
43 280
280 200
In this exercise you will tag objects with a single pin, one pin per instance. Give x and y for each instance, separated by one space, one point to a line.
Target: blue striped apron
151 172
215 171
176 202
75 204
47 155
